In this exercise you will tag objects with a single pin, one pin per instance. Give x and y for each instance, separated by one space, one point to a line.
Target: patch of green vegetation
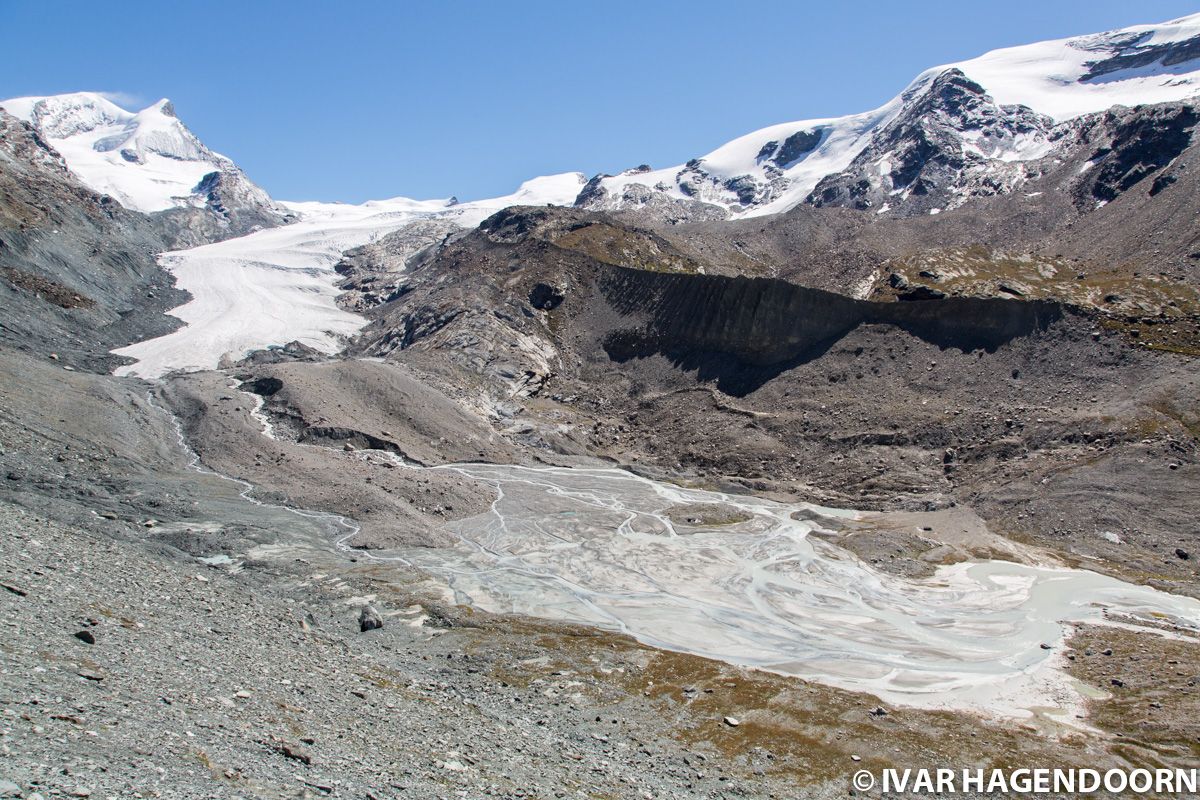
1181 336
1154 709
812 732
1181 349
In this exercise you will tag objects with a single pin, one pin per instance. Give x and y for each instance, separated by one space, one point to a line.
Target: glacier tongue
269 287
277 286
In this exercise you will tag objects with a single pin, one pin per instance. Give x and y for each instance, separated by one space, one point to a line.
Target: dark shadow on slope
742 332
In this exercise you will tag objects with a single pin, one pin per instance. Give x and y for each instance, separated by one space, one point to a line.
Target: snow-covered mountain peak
776 168
87 117
148 160
156 130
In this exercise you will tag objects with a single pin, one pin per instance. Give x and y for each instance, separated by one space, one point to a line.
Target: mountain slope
1020 93
77 271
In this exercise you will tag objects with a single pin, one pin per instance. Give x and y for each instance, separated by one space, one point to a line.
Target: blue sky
360 100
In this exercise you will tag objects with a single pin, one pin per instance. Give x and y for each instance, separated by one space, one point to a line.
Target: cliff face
744 331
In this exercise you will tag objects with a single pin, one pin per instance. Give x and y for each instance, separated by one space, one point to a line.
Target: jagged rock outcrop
1130 145
952 142
1134 51
230 194
784 154
375 273
642 201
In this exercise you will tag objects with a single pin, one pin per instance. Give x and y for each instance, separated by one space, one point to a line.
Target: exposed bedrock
745 331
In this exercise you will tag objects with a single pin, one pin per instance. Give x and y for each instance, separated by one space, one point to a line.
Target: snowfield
1049 77
277 286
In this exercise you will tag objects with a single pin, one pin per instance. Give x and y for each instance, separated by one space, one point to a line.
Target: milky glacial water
596 546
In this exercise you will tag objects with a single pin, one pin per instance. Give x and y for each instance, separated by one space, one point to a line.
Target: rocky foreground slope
165 637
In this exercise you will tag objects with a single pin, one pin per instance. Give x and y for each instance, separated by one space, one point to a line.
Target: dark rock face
1134 55
1137 144
799 144
265 386
745 331
347 437
920 293
512 224
545 297
745 187
938 151
692 178
292 351
757 321
593 191
370 619
210 186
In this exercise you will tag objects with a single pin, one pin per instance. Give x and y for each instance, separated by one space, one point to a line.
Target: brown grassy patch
1155 714
623 247
1153 311
810 731
50 291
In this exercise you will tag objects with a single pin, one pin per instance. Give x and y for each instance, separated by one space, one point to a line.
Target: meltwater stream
597 546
